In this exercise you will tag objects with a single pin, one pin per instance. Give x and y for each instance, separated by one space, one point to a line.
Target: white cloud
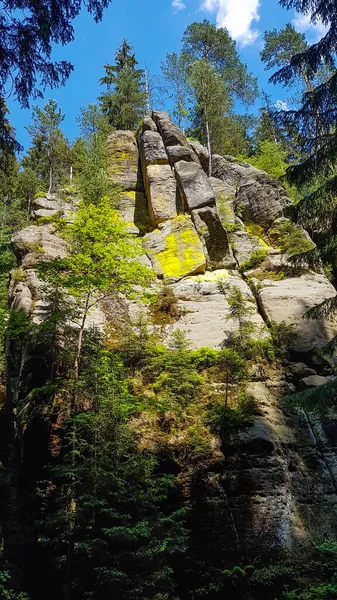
178 4
237 16
303 24
281 105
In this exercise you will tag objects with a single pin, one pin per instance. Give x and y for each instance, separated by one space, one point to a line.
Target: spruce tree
315 119
49 155
124 100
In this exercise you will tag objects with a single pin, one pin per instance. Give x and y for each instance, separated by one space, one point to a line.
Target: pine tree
218 78
124 101
49 155
315 120
205 41
211 100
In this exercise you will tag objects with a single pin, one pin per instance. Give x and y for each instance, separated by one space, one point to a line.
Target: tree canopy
28 31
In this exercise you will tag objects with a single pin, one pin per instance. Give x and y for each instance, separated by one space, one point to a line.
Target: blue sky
155 27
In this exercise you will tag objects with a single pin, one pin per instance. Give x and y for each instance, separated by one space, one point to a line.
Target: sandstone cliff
274 487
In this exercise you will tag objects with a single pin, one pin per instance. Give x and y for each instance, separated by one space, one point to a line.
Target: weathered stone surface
35 244
204 308
123 167
245 245
175 250
208 225
202 154
225 200
231 170
261 198
42 202
299 370
194 185
171 134
176 153
152 150
312 381
161 193
133 210
149 124
287 300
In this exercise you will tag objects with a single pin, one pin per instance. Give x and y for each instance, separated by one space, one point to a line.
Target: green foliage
91 168
256 258
203 41
7 261
164 307
178 383
125 98
174 71
101 253
6 592
114 522
291 238
283 337
227 422
17 325
18 274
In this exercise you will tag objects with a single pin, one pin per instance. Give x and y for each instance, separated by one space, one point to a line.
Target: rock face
287 300
194 185
208 225
261 198
124 161
176 250
161 189
205 310
273 486
170 133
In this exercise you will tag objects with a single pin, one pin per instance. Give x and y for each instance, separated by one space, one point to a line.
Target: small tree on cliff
124 101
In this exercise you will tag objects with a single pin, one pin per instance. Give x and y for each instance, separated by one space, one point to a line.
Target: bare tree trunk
209 145
80 337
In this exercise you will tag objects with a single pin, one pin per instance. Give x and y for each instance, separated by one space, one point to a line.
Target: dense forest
128 450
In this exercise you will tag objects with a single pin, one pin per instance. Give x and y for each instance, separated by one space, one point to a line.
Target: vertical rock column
124 172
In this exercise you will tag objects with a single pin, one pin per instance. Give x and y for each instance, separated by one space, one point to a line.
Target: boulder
230 170
202 154
123 168
225 200
176 153
299 370
34 245
175 250
312 381
208 225
194 185
43 203
170 133
133 211
149 124
260 198
152 150
288 299
161 193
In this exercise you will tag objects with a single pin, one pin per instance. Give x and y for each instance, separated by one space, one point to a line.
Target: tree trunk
80 338
209 146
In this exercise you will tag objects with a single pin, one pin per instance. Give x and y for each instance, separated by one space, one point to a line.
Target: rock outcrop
273 485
